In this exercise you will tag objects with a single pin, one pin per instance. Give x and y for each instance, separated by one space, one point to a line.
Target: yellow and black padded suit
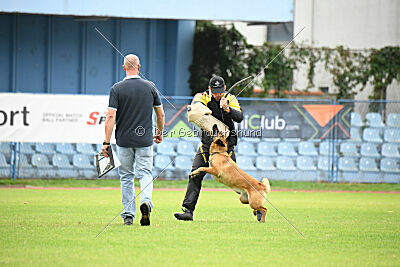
206 96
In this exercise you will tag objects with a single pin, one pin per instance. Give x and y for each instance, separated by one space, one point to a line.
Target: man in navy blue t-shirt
130 107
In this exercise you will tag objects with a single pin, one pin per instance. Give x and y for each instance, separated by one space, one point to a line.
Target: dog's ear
220 143
215 130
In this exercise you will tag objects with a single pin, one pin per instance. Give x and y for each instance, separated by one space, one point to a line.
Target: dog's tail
265 181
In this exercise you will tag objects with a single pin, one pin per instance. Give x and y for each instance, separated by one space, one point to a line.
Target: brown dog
226 171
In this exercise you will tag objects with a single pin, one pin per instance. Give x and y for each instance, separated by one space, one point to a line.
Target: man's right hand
158 137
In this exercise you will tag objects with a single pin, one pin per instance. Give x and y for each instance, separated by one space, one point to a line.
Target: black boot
187 215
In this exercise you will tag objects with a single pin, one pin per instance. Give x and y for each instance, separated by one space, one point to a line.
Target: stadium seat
81 161
374 119
5 148
372 135
355 120
368 165
355 135
325 148
393 120
26 148
183 163
245 163
391 170
323 163
390 165
285 163
25 169
86 149
286 149
65 148
98 148
67 173
185 148
166 148
4 167
265 163
246 149
61 161
307 149
163 162
369 150
40 161
252 140
390 150
305 163
267 149
370 171
347 164
349 149
45 148
392 136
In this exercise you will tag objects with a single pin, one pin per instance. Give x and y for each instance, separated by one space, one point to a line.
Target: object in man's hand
200 115
104 164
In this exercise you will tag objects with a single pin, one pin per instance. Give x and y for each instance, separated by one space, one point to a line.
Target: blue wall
58 54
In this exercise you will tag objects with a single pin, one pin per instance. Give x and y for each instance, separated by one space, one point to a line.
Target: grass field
57 227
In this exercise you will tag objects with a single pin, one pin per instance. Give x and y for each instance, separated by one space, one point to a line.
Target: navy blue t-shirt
134 99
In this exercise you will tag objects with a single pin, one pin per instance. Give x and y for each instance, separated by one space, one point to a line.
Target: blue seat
45 148
307 149
41 161
265 163
374 119
5 147
183 163
246 149
286 149
393 120
372 135
348 164
390 170
355 135
245 163
390 165
285 163
349 149
166 148
368 165
305 163
369 150
324 148
81 161
390 150
355 120
392 136
3 161
86 149
323 163
185 148
163 162
252 140
25 169
61 161
65 148
26 148
266 148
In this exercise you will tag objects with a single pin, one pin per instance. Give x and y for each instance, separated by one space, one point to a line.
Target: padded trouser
194 186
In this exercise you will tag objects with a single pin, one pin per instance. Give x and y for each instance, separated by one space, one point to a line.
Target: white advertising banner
52 118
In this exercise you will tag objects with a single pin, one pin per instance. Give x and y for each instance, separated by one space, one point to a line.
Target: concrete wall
59 54
356 24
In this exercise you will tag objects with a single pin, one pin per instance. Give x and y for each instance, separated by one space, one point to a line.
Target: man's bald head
131 63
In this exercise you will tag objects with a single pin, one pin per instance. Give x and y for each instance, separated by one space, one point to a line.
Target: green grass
206 184
57 227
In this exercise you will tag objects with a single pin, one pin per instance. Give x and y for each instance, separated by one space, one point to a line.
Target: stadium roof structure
231 10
